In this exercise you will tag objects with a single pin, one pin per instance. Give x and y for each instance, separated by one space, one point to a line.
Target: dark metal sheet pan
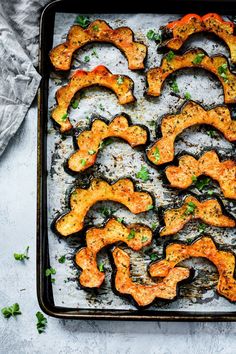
47 295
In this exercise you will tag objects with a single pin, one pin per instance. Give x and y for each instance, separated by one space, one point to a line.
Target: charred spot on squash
89 141
81 79
98 238
144 295
208 164
209 211
122 38
191 114
182 29
82 200
217 65
206 248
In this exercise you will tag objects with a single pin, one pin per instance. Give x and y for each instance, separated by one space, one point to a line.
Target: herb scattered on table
211 133
143 174
201 228
86 59
187 96
156 154
22 256
153 36
83 21
105 143
50 271
101 267
120 220
202 183
198 58
150 207
174 86
62 259
153 257
101 107
131 235
105 211
42 322
9 311
75 104
94 53
154 225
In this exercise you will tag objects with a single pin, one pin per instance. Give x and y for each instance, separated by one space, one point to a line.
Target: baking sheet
120 160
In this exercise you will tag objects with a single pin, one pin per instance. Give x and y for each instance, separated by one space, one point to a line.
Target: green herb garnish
170 56
174 86
143 174
120 80
83 162
150 207
201 228
154 225
13 310
62 259
187 96
105 143
95 28
50 271
153 257
22 256
211 133
75 104
194 179
120 220
101 267
42 322
92 152
95 53
190 208
86 59
222 71
83 21
131 235
156 154
198 58
144 239
210 192
202 183
153 36
64 117
106 211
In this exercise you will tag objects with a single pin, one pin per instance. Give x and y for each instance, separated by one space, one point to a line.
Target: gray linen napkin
19 80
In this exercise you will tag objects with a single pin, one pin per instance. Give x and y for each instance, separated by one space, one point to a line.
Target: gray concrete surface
18 283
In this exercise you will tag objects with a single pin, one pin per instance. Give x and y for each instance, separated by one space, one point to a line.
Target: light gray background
18 229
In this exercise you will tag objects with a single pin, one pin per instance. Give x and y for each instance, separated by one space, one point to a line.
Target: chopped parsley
222 71
150 207
105 143
92 152
201 228
86 59
83 21
153 36
64 117
95 53
211 133
202 183
22 256
198 58
50 271
153 257
131 235
13 310
101 107
174 86
95 28
194 179
83 162
75 104
154 225
156 154
190 208
170 56
62 259
187 96
144 239
106 211
120 80
143 174
120 220
210 192
42 322
101 267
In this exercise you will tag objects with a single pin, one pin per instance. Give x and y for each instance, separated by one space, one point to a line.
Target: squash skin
144 295
191 114
182 29
81 79
157 76
89 140
209 211
208 164
206 248
81 200
98 238
122 38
